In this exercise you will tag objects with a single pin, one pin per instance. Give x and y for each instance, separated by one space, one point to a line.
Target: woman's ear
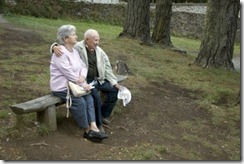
65 39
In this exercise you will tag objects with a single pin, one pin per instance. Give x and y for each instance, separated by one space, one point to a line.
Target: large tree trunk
161 32
218 43
137 20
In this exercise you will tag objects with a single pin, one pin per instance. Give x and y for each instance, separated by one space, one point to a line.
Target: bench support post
48 117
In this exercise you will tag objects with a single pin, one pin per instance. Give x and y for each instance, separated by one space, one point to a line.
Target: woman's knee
78 101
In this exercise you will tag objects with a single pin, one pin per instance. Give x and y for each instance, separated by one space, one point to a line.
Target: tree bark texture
217 46
161 31
137 20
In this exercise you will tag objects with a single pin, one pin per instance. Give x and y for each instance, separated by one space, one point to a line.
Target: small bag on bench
77 91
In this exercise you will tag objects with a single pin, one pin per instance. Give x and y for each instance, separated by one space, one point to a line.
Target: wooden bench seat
45 107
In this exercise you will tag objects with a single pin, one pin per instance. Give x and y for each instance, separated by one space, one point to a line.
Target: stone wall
188 21
187 24
187 18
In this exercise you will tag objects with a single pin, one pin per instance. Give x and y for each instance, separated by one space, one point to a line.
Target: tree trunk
137 20
161 32
218 43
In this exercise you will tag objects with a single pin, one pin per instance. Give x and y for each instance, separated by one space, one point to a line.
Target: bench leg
48 117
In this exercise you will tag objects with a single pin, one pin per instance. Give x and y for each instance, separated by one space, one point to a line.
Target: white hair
63 32
90 33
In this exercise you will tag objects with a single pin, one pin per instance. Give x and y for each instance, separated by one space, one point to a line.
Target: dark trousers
105 108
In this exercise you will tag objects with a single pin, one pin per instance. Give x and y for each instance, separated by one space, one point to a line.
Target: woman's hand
87 87
81 80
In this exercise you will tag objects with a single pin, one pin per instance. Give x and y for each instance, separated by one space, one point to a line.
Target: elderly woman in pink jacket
69 67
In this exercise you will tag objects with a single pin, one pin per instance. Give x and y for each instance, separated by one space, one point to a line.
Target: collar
90 50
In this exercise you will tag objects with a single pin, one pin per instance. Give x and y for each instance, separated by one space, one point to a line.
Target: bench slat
35 105
121 78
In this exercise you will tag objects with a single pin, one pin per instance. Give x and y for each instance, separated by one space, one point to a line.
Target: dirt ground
141 122
147 121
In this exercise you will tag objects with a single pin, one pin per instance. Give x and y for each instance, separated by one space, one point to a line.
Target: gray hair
90 33
63 32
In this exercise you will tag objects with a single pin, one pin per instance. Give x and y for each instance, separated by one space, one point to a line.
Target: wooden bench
45 108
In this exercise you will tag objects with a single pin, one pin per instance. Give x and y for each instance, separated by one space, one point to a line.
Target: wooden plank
36 105
121 77
43 102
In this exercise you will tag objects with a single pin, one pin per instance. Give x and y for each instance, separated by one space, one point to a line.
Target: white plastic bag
125 95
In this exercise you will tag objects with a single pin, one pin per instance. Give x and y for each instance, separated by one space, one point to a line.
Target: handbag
77 91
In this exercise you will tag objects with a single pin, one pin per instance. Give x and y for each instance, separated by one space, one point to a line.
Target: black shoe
95 136
106 121
101 129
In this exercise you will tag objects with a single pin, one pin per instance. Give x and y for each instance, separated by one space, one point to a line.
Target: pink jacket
69 66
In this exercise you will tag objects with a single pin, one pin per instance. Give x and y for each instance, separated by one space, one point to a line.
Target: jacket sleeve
109 75
51 47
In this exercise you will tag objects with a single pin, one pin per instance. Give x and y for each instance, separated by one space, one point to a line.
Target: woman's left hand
81 79
87 87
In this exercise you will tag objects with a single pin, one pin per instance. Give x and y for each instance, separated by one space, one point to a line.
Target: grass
193 45
4 114
219 88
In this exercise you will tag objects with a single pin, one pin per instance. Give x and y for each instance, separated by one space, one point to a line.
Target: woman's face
72 38
93 42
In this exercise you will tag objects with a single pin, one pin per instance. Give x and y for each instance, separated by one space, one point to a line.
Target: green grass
193 45
48 28
219 88
4 114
